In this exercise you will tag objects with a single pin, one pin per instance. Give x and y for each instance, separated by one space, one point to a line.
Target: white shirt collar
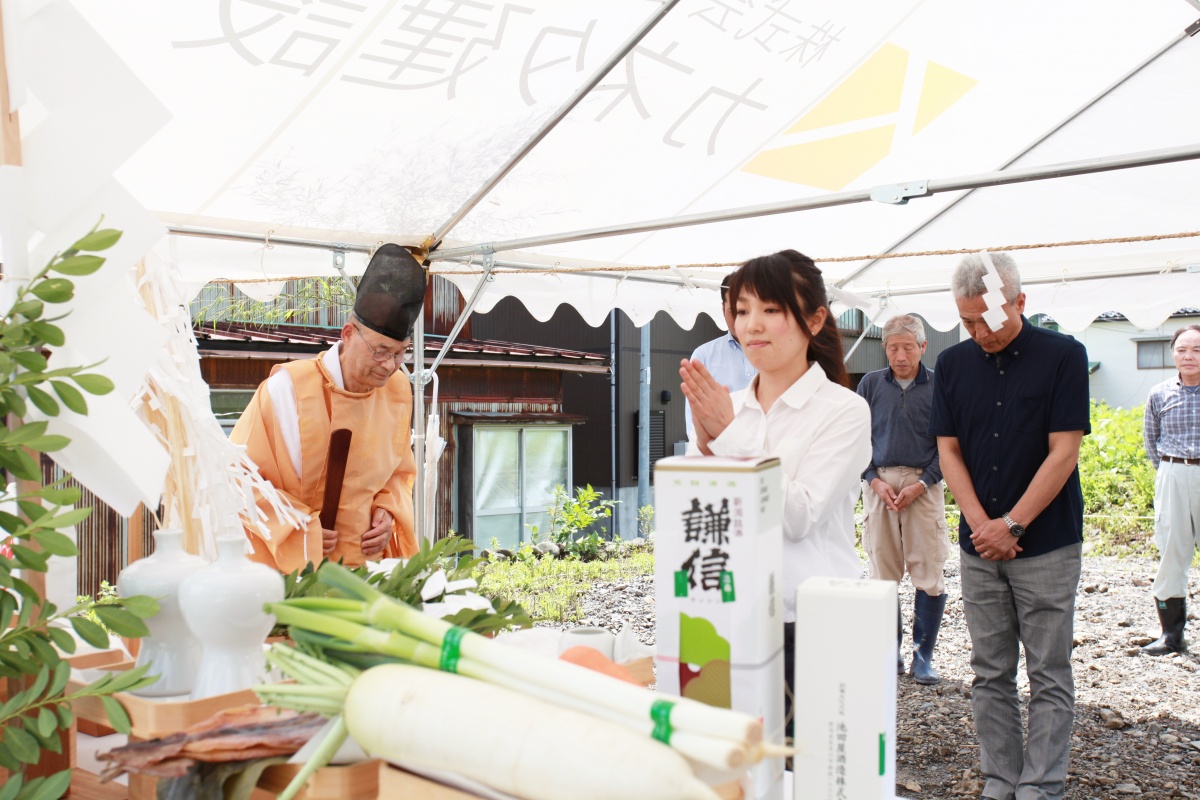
799 392
333 365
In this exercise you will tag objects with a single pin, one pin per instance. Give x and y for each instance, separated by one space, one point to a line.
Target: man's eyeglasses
381 355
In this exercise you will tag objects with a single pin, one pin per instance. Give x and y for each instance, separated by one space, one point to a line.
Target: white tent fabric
354 122
300 127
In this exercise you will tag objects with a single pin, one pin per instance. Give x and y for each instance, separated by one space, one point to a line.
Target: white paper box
718 545
845 690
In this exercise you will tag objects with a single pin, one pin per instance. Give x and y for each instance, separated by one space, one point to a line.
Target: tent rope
841 259
558 267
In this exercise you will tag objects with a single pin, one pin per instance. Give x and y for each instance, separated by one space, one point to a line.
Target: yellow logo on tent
874 91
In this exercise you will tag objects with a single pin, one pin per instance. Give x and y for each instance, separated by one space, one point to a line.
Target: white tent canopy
255 140
348 123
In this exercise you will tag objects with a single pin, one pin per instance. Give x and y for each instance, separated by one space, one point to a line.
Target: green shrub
1118 483
573 520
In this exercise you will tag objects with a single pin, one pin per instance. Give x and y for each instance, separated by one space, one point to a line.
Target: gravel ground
1137 718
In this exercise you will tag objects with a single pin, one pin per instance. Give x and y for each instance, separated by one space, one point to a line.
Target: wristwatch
923 483
1014 527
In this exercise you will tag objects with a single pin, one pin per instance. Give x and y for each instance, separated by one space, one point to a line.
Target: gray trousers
1176 526
1027 601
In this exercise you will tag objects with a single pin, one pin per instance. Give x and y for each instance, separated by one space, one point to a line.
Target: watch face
1017 530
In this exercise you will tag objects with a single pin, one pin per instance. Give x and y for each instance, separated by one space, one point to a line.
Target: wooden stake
135 548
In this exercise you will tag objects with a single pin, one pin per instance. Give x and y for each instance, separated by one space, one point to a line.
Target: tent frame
899 193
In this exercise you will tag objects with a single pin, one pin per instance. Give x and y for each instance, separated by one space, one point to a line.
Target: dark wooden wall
102 538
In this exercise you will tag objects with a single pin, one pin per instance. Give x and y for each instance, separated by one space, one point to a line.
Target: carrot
593 659
509 741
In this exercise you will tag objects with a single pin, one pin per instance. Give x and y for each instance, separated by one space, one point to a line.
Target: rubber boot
927 621
900 669
1172 613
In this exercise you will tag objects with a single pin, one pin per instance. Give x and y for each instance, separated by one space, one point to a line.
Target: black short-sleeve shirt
1002 408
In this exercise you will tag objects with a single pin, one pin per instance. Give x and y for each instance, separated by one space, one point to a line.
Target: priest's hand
375 540
328 541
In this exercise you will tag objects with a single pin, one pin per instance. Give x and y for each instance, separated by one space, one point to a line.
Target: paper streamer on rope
994 316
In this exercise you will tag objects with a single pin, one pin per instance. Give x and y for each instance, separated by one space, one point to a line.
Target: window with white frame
1154 354
515 471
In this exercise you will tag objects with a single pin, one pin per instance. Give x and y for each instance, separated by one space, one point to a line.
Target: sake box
846 695
718 545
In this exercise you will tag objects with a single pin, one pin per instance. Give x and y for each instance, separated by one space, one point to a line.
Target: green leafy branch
406 582
33 717
35 709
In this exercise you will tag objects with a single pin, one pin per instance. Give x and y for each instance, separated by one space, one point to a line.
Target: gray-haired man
1010 409
902 491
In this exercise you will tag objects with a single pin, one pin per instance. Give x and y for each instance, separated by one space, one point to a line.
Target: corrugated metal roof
289 341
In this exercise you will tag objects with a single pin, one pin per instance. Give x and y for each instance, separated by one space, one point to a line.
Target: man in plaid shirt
1172 432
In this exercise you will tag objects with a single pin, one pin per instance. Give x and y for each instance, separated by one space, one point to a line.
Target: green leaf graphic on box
704 657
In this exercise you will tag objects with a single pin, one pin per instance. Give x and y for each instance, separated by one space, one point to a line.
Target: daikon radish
509 741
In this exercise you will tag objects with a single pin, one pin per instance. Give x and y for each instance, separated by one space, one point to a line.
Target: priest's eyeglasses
382 354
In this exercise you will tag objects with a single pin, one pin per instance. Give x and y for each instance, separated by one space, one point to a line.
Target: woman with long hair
799 408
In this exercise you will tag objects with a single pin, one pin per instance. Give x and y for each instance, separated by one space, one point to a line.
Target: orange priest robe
380 470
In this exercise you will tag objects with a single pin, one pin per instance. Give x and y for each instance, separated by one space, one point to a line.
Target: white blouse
821 433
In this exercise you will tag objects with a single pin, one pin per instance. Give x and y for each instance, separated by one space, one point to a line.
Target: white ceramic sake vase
170 649
223 606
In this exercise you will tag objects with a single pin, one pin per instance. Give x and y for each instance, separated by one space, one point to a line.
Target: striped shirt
1172 422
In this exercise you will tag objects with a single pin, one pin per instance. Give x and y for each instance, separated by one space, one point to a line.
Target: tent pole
866 328
643 458
996 178
612 276
615 492
1089 166
1068 119
484 280
575 99
419 378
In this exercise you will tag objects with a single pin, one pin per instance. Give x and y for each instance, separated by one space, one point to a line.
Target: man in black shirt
1010 410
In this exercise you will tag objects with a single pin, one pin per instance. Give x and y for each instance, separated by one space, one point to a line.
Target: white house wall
1118 381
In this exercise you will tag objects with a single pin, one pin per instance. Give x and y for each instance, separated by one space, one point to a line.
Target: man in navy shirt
1010 409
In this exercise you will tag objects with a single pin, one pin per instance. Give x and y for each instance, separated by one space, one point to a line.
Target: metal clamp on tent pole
897 194
339 263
